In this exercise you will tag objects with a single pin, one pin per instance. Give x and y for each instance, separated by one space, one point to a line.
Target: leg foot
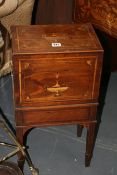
21 162
20 139
79 130
90 143
87 160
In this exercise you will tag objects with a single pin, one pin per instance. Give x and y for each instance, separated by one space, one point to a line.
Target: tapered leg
90 143
20 139
79 130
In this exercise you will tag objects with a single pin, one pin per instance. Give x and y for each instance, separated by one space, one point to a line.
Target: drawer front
56 116
48 81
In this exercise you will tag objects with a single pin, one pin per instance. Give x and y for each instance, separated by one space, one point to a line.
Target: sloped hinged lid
40 39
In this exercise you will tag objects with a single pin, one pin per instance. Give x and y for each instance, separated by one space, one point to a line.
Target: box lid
43 39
